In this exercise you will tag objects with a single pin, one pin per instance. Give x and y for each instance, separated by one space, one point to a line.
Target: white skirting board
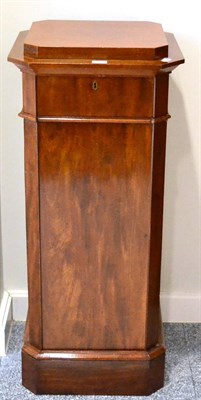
5 322
175 307
181 307
19 304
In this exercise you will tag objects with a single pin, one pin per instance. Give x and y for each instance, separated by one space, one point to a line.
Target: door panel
95 221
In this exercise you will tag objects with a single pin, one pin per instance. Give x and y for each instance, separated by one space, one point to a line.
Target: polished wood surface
153 317
93 371
93 39
92 377
95 212
95 96
29 94
95 138
33 232
85 67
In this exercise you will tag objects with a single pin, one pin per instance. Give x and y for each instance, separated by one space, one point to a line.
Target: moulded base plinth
93 372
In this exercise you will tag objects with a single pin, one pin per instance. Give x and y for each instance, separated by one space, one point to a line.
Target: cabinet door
95 207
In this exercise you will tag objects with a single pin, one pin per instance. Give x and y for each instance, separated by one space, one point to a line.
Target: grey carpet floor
182 374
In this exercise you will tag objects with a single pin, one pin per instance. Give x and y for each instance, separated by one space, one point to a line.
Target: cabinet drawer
95 96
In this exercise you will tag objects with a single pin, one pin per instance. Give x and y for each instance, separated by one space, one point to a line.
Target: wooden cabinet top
92 39
100 47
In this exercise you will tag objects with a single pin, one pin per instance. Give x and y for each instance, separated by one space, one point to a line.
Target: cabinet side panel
95 188
29 93
161 94
158 169
33 232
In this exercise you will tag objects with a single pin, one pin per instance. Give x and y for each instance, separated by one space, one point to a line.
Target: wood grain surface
85 67
95 98
113 97
92 39
95 231
33 233
153 320
92 377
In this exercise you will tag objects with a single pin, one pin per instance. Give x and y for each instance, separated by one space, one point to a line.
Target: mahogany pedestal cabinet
95 111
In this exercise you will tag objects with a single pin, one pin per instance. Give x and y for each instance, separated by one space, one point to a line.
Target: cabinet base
93 372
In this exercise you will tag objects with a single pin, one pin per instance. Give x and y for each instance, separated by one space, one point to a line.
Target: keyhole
94 85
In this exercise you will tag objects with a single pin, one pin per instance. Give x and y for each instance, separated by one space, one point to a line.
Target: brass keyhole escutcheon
94 85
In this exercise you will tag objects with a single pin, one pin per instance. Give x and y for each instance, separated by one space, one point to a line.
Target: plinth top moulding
93 43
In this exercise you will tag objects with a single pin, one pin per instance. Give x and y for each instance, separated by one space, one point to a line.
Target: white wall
1 264
181 276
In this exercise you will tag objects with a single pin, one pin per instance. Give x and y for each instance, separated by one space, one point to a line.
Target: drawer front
95 96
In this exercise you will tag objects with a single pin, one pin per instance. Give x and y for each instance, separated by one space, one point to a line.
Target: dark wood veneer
113 96
95 137
33 232
92 377
95 190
